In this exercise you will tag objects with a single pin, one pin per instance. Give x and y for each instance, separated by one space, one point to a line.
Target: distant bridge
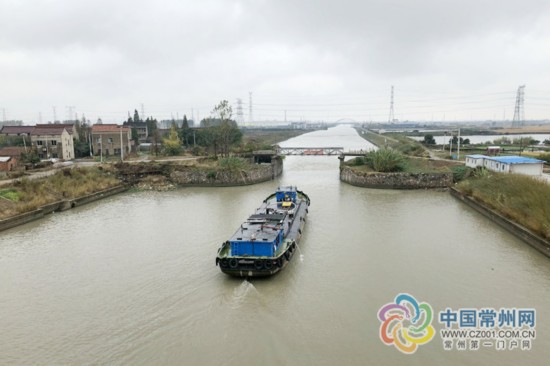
310 150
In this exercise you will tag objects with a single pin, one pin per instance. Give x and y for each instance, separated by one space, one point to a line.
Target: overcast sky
318 60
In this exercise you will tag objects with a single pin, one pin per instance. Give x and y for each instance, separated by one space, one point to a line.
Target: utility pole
4 115
142 112
458 146
391 117
121 145
54 115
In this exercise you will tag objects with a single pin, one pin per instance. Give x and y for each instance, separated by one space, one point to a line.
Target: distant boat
267 241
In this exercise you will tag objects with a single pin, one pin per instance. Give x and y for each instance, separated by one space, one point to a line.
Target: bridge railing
309 150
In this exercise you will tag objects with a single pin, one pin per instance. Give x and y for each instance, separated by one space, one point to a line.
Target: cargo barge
266 242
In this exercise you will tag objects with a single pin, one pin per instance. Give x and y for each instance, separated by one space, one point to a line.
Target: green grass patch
10 194
233 163
520 198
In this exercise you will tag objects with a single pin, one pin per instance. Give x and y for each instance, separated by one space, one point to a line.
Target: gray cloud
107 57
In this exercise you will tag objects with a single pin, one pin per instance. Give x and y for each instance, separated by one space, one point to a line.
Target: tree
151 126
185 132
429 139
135 136
466 141
223 111
227 132
30 157
172 144
185 123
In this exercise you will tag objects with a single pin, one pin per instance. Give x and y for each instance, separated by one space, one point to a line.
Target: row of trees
430 140
217 134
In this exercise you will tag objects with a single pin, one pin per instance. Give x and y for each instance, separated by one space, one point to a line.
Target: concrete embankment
521 232
57 207
257 174
189 176
395 180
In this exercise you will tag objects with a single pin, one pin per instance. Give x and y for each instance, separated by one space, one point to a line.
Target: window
54 142
98 140
39 142
110 140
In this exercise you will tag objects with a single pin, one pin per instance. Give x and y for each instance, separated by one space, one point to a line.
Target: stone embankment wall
57 207
205 177
395 180
219 178
521 232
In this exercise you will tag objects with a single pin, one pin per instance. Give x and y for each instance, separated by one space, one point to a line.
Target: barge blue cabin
266 241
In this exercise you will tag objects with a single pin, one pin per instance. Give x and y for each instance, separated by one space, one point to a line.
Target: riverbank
201 173
528 236
522 199
26 199
399 180
403 166
66 185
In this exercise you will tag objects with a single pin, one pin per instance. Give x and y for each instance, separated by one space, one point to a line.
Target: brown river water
132 279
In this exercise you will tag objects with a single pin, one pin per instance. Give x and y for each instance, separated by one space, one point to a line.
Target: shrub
385 160
358 161
429 139
460 172
232 163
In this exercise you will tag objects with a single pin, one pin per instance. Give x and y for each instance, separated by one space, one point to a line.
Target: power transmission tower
391 118
250 119
70 110
142 112
519 111
54 115
240 115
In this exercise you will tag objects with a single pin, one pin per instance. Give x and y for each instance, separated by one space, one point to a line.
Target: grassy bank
409 165
522 199
396 141
263 138
29 194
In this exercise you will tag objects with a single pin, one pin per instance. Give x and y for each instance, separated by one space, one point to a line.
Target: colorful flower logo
405 323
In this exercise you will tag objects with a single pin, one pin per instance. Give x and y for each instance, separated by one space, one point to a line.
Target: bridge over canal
319 151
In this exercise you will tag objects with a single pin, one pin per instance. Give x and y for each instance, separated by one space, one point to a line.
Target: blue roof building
506 164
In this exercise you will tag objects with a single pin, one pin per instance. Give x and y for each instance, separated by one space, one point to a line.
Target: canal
132 279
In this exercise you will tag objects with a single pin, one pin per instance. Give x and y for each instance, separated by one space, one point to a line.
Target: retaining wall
195 177
395 180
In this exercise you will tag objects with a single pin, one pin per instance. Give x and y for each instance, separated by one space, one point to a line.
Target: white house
475 161
53 141
506 164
